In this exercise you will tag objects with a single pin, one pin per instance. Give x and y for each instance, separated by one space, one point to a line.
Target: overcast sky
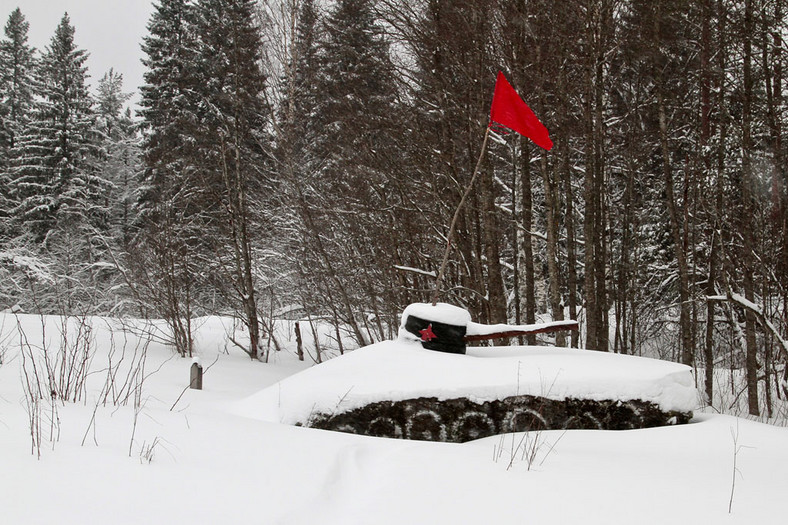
109 30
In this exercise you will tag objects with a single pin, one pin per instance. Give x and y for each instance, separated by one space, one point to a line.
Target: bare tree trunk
745 229
600 253
496 298
242 273
687 352
708 350
625 265
781 171
595 221
676 227
571 254
705 134
516 238
768 357
590 221
551 209
526 246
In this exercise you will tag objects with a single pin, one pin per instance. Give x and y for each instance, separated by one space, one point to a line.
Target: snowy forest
301 157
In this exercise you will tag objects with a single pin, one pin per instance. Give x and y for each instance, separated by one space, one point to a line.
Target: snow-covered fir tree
299 106
16 97
51 162
231 116
350 130
165 264
16 79
168 51
119 155
356 90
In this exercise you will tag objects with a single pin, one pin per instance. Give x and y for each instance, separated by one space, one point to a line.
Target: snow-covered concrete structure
400 389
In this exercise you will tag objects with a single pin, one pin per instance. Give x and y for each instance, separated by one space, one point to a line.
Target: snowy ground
192 459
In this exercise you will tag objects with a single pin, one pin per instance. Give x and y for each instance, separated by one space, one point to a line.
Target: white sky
110 31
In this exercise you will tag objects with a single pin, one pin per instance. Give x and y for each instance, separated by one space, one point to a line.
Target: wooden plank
516 333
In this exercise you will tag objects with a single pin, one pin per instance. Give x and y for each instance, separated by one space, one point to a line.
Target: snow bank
398 370
209 467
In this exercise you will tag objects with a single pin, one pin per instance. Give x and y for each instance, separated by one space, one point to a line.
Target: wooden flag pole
453 225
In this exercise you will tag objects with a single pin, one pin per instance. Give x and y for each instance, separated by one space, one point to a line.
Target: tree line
306 153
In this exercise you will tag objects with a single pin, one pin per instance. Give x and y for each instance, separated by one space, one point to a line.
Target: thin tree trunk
745 229
526 245
600 253
551 209
625 263
590 221
705 134
496 298
687 352
676 225
516 237
243 272
708 350
299 342
571 254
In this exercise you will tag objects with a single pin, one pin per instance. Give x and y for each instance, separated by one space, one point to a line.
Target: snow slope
200 462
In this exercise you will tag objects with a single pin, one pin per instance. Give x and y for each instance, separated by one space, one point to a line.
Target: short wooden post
299 342
196 376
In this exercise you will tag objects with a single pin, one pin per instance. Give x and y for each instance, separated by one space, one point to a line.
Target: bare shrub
125 370
526 447
58 358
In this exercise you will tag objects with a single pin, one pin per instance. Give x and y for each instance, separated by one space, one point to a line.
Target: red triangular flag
509 110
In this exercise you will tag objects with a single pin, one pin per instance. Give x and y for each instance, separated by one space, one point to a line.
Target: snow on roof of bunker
440 313
399 370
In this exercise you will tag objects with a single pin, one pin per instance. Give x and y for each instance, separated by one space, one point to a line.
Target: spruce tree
51 160
204 116
231 116
356 90
351 144
301 99
165 263
168 49
16 98
297 110
16 79
119 158
110 100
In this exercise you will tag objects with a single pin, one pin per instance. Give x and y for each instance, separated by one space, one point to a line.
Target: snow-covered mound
395 371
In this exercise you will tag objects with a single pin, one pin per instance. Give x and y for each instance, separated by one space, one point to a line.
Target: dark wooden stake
299 341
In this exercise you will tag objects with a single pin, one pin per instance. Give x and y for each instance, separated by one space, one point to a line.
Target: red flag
509 110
